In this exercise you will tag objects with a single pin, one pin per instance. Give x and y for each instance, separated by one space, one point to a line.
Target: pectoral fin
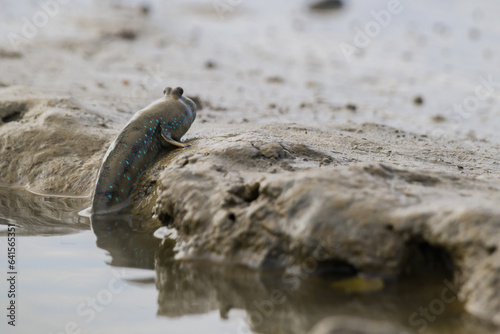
169 140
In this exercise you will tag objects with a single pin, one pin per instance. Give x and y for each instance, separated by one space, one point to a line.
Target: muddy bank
355 199
270 201
49 143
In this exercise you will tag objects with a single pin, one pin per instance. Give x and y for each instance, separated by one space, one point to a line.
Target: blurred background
414 65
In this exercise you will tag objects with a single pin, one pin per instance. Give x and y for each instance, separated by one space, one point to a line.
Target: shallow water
119 277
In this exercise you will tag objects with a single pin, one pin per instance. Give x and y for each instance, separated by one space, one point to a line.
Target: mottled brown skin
160 124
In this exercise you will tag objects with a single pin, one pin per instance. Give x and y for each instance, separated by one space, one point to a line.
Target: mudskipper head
176 93
167 91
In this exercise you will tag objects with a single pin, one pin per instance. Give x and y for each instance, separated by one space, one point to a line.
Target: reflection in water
273 301
41 215
128 239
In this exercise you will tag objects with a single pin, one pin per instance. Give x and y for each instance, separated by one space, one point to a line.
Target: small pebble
351 107
438 118
326 5
275 79
418 100
127 34
210 64
145 9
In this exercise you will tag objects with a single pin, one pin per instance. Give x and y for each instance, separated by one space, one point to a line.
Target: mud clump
49 145
262 201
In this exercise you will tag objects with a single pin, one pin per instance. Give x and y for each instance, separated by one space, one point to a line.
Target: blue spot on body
117 199
127 162
109 196
111 187
128 178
